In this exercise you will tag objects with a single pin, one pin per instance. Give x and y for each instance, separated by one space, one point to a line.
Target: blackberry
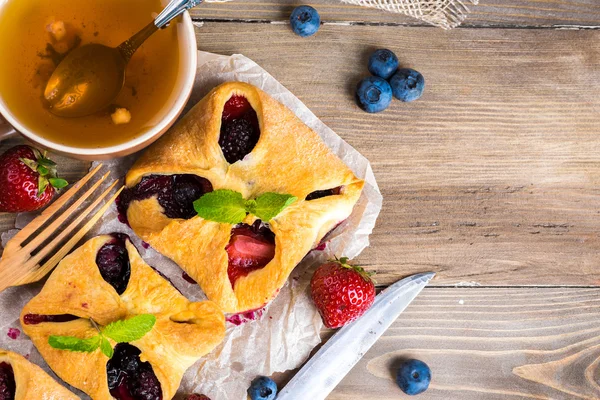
175 193
317 194
7 382
129 377
186 190
34 319
146 386
239 129
237 139
113 262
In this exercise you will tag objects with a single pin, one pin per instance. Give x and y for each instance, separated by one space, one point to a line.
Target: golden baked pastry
238 138
23 380
106 280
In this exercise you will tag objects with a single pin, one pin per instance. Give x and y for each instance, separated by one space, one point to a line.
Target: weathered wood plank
493 175
489 344
534 13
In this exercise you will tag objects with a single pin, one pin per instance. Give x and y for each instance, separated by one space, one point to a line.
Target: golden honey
35 35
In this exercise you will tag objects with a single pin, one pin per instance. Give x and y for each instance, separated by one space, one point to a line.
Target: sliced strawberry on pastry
249 249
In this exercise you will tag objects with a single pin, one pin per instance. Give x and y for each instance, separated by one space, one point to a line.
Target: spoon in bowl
91 76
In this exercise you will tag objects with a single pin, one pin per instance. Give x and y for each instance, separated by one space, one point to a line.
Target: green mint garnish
225 206
120 331
269 205
229 207
129 330
106 348
75 344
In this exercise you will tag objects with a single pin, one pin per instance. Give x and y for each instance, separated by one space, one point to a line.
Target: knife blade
322 373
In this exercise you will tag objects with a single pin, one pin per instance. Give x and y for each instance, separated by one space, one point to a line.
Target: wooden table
492 180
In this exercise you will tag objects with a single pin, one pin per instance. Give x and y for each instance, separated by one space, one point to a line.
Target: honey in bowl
36 34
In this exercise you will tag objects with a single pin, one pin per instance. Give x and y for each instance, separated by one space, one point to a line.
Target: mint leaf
267 206
58 183
75 344
224 206
130 329
106 348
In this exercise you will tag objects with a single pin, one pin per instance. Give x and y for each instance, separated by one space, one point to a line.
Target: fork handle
173 10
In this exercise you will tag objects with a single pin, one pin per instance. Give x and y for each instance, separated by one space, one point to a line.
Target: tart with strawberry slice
238 139
105 282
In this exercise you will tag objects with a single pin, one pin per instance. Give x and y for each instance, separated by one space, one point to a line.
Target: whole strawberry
341 292
28 180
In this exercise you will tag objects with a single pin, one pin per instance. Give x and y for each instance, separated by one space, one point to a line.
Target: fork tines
20 263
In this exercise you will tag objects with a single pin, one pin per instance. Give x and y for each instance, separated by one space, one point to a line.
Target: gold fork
20 264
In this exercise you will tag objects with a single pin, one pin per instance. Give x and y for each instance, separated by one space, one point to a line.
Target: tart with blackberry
238 139
23 380
105 281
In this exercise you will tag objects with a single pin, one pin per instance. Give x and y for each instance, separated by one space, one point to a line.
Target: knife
322 373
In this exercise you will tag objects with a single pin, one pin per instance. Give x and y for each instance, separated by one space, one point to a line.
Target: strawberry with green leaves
28 180
341 292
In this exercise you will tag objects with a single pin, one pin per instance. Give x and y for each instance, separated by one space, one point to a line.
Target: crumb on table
121 116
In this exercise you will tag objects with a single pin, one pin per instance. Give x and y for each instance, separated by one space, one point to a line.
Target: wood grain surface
489 344
491 179
503 13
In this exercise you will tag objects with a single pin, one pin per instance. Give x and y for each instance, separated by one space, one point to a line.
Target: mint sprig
75 344
225 206
120 331
131 329
229 207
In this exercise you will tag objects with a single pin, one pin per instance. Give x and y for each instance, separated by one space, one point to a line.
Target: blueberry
262 388
413 377
305 21
407 84
373 94
383 63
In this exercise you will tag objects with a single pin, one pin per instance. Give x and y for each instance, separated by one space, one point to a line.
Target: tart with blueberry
104 281
240 139
23 380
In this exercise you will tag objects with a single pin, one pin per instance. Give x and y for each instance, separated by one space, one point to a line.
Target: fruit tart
239 139
23 380
104 281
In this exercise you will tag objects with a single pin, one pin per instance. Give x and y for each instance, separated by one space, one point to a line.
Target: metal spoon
91 76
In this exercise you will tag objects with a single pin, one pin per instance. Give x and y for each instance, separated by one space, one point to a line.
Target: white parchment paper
275 339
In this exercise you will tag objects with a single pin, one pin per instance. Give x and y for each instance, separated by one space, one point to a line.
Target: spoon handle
174 9
128 47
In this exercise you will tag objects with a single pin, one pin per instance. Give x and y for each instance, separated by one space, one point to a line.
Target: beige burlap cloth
446 14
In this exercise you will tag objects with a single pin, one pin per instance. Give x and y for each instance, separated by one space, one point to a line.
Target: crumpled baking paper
281 336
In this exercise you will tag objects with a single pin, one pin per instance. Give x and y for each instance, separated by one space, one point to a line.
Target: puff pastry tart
106 280
22 380
238 138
